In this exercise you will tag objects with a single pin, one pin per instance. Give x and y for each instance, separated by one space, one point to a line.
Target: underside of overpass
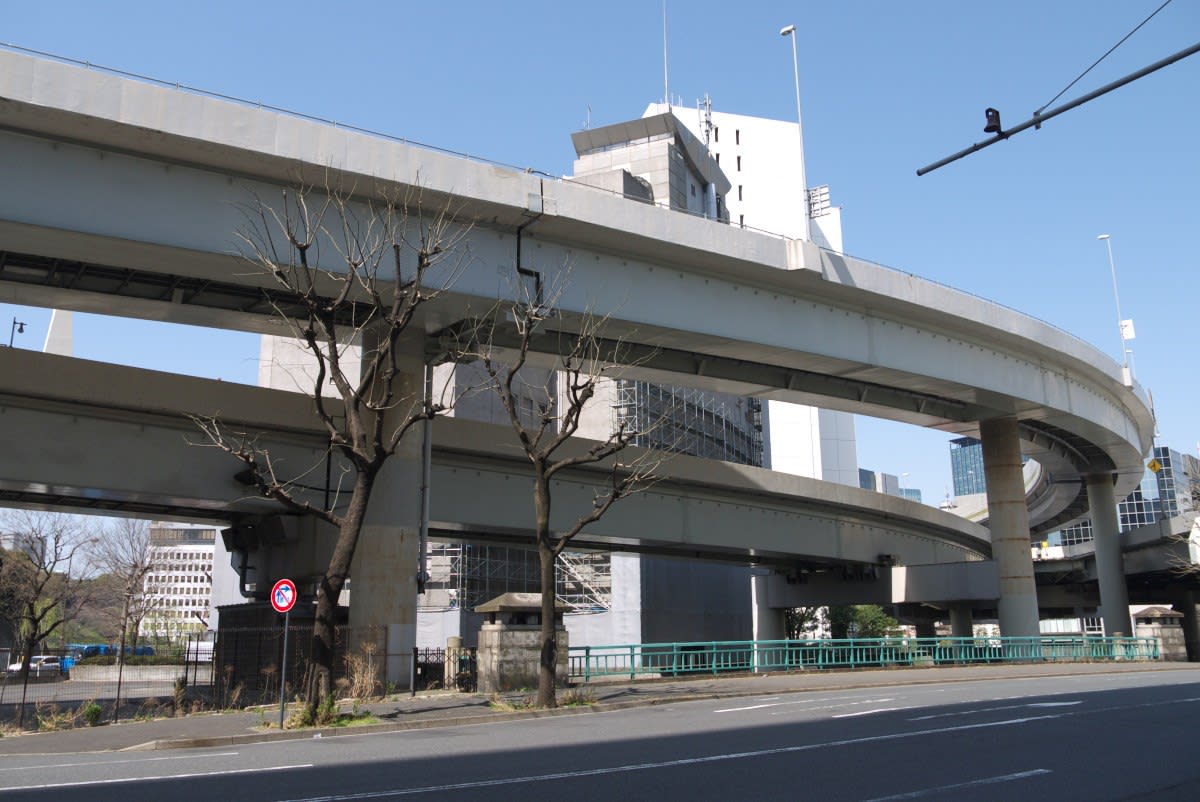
750 314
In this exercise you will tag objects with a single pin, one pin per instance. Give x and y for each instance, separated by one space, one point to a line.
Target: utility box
510 643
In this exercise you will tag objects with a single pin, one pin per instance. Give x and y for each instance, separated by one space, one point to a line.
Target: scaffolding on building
463 575
689 421
673 419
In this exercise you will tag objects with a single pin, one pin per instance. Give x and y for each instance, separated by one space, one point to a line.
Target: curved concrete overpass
124 197
108 438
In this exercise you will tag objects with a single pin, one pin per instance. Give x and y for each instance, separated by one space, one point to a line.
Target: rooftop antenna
706 123
666 90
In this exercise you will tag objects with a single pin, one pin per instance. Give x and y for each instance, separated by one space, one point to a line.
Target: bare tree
351 272
43 577
123 551
545 408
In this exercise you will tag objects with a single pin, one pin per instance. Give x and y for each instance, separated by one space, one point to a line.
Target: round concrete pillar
1191 624
1110 564
961 625
1008 519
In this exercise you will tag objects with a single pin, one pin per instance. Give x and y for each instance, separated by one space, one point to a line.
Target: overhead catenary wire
1097 61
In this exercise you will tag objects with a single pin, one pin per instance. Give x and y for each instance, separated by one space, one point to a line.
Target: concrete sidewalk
446 709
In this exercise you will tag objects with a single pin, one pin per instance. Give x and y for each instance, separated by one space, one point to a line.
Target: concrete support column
1110 565
1008 519
768 623
961 625
1191 624
383 594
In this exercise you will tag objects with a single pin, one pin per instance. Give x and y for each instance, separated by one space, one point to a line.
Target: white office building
762 160
178 588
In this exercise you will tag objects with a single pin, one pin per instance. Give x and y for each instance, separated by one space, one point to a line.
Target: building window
739 191
716 134
742 220
718 157
739 164
693 190
737 136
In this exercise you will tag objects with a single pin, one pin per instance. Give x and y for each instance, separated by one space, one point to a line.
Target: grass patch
354 720
578 697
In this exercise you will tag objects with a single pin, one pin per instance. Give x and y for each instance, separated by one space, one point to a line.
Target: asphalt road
1099 737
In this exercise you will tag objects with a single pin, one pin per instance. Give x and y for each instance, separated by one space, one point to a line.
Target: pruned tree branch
354 269
546 409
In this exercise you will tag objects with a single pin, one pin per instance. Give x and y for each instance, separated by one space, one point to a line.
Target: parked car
40 665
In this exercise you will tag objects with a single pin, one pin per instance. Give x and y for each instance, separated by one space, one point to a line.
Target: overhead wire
1106 55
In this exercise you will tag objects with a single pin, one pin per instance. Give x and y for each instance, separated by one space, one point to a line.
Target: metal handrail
716 657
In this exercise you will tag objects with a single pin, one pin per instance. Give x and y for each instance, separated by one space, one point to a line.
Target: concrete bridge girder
188 161
786 338
481 480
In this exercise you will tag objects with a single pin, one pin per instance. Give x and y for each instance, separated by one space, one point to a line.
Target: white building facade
178 588
762 160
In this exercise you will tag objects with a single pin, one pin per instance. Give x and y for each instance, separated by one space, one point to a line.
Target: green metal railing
716 657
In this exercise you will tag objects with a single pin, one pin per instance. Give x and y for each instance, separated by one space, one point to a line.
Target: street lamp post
1126 374
790 30
18 327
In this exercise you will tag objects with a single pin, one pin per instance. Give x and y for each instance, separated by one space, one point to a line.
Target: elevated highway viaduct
126 198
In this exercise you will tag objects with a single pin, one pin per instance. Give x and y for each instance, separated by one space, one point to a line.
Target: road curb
500 716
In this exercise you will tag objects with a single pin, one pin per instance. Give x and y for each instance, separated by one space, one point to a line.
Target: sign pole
283 597
283 669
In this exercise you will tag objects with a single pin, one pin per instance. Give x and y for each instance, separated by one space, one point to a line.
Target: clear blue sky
886 88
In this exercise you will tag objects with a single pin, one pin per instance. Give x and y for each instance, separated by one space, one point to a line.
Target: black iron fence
235 668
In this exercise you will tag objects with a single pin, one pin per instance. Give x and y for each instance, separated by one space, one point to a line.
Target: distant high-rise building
1168 493
866 479
966 466
911 493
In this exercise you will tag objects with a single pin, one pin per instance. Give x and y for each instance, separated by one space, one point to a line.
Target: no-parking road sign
283 595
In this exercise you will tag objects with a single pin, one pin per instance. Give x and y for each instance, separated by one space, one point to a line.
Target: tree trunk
124 632
319 683
30 645
549 657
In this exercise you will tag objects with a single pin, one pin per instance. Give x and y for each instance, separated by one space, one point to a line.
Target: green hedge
133 660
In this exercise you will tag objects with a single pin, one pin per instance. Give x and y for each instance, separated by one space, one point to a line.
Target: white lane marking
1020 775
748 707
845 699
665 764
994 709
159 777
868 712
102 762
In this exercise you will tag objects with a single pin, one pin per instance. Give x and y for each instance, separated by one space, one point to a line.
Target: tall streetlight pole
790 30
18 327
1126 374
